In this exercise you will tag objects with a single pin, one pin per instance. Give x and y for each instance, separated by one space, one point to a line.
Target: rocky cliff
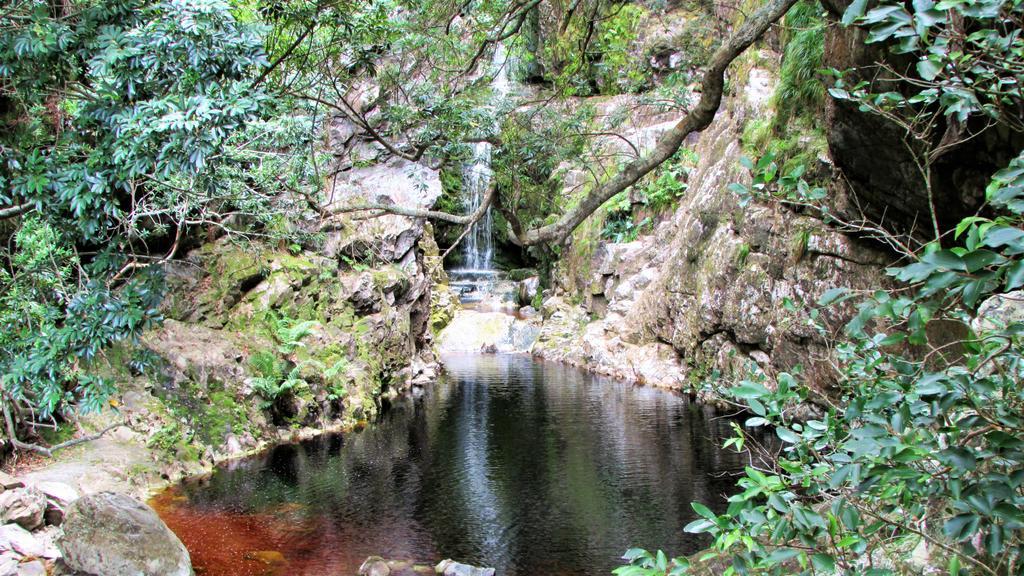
717 289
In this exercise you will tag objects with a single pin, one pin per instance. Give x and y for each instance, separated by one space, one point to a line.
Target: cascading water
478 249
478 272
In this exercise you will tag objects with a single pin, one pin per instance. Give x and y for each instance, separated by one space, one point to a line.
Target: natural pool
529 467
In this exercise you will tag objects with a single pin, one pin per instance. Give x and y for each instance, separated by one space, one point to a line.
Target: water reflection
530 467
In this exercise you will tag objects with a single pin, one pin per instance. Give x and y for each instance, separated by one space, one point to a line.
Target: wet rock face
388 238
108 534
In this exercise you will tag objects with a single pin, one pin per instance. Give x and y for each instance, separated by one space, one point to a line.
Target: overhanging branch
712 86
462 220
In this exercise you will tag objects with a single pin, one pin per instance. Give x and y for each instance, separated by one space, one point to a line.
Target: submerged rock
472 331
377 566
453 568
108 534
266 556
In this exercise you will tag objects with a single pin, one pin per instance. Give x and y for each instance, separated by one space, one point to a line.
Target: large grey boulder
109 534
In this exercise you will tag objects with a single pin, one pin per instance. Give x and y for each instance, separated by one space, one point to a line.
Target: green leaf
928 69
945 259
704 511
781 555
699 526
787 435
1015 275
832 296
854 11
823 563
749 390
962 526
978 259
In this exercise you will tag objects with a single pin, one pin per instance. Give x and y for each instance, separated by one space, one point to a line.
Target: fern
290 333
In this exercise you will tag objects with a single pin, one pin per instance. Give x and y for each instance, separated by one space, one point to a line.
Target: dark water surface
530 467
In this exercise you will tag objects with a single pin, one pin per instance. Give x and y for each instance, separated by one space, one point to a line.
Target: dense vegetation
133 129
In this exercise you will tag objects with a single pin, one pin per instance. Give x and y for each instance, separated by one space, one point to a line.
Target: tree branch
712 86
48 451
12 211
467 219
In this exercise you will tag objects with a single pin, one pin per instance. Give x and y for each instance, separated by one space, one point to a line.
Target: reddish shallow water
532 468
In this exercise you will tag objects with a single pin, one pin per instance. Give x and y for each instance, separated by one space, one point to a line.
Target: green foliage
174 442
767 183
620 227
115 117
667 185
610 64
533 145
742 255
644 563
658 192
55 328
967 56
800 91
289 333
793 135
274 378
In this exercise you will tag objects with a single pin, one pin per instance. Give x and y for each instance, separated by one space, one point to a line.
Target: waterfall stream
476 278
478 249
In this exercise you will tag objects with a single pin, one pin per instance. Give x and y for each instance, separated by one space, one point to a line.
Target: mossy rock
520 274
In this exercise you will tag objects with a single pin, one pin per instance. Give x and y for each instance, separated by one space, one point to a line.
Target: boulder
23 506
109 534
453 568
999 311
374 566
8 563
527 289
31 568
472 331
377 566
58 497
47 537
16 538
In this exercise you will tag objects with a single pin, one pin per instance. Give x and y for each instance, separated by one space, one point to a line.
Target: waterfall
476 178
478 249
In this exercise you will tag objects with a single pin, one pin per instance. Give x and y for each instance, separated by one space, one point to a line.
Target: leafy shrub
116 114
658 193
